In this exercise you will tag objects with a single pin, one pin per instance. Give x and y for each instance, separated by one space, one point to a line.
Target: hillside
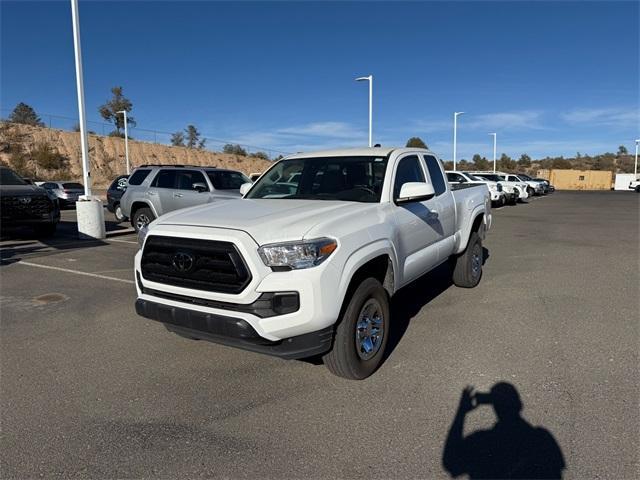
44 153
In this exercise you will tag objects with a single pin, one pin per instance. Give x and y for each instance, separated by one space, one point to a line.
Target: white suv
498 194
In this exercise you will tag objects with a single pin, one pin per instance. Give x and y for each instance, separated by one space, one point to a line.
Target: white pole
126 141
370 80
86 173
635 168
455 136
494 151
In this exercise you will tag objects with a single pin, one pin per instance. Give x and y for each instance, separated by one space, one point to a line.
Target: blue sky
551 78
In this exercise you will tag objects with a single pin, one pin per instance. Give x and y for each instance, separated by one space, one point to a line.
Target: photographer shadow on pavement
513 448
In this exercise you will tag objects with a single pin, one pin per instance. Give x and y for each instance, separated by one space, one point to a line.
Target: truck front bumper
232 331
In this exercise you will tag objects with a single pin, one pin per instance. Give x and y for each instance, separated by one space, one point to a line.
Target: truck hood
266 220
25 190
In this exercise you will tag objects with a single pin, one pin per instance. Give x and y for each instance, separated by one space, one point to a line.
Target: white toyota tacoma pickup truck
306 263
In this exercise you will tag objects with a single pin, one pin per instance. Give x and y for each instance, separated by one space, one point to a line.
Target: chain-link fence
140 134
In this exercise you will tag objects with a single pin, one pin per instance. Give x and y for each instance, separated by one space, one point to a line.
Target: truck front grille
25 207
207 265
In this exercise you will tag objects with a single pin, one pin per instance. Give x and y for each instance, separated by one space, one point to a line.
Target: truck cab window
437 180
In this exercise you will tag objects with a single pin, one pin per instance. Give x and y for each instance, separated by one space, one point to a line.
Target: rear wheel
467 269
117 212
531 191
638 189
361 334
141 218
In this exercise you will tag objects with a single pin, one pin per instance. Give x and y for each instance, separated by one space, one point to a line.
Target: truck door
419 227
445 206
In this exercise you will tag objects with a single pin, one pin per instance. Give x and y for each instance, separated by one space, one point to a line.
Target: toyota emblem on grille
24 200
183 262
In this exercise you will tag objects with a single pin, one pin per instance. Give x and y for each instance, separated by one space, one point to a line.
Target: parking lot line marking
77 272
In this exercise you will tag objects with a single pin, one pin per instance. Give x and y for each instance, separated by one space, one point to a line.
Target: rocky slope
19 145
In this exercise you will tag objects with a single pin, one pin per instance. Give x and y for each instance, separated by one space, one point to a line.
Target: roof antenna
377 145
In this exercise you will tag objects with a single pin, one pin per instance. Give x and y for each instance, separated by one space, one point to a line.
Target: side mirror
200 187
415 191
245 187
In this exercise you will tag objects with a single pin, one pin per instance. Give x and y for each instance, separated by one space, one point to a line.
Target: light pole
126 140
86 174
89 210
494 151
370 80
635 167
455 136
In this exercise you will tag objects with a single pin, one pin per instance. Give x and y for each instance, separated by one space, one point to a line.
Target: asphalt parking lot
91 390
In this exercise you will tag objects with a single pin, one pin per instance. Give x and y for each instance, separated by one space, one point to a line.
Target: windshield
524 177
8 177
493 178
351 179
473 178
227 179
72 186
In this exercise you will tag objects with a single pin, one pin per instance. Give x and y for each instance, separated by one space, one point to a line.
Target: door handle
432 215
177 195
150 192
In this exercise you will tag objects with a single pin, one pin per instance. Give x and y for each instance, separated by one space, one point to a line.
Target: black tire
142 216
47 230
531 191
638 189
514 200
348 358
467 269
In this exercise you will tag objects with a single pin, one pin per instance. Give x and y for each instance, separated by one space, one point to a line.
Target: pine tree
110 110
416 142
26 115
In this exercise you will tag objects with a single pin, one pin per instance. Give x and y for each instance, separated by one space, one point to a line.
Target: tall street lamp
494 151
370 80
455 136
89 211
126 140
635 168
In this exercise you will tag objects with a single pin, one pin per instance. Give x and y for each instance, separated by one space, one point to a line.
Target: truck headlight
297 255
492 187
142 234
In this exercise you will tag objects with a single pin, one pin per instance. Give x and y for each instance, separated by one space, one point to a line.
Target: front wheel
141 218
467 269
361 334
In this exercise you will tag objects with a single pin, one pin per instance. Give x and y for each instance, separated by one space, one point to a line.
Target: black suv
22 204
114 194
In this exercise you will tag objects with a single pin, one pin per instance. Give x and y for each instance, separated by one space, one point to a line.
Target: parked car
308 269
498 195
67 193
534 187
24 204
154 190
114 194
548 188
635 185
519 188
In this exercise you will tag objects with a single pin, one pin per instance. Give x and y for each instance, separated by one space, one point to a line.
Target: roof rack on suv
174 165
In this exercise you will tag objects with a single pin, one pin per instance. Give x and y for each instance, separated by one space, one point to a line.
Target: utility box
581 179
623 180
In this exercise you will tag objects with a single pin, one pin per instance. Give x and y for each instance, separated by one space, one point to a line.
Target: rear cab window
72 186
165 179
435 173
138 176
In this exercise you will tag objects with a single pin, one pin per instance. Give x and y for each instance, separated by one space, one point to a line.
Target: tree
524 161
26 115
480 163
561 164
605 162
622 150
192 138
109 111
262 155
506 163
234 149
177 139
416 142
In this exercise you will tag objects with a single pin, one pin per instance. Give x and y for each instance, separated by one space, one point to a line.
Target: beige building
578 179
